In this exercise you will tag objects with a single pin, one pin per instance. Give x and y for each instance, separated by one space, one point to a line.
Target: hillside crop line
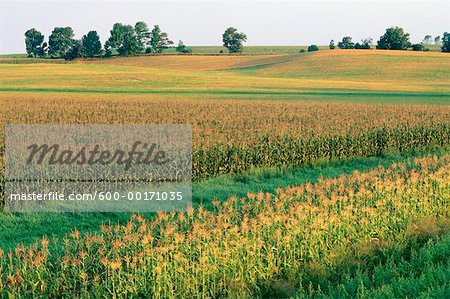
344 92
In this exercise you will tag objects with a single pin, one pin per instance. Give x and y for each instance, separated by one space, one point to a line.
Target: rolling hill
338 73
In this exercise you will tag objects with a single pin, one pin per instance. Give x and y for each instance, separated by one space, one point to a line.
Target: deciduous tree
418 47
75 51
91 44
123 39
346 43
446 42
181 48
427 40
395 38
437 40
365 43
159 40
331 45
34 43
233 40
142 35
313 48
60 41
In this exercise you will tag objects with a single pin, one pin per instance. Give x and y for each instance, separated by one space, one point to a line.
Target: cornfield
246 246
227 139
287 151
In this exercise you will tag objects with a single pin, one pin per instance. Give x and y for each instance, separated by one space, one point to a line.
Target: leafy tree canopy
346 43
233 40
34 43
446 42
181 48
313 48
427 40
75 51
60 41
142 35
437 40
159 40
331 45
419 47
365 43
123 39
394 38
91 44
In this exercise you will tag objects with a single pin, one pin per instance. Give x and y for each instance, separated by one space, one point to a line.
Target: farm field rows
260 245
331 72
227 140
378 122
26 228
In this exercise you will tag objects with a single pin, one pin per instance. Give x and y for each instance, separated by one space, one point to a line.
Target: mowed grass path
338 73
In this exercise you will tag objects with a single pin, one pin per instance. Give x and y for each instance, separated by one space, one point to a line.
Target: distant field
251 50
339 72
365 66
273 49
195 63
13 55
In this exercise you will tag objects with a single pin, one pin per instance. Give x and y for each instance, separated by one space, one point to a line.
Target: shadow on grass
415 265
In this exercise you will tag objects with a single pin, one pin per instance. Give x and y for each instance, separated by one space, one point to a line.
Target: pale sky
203 22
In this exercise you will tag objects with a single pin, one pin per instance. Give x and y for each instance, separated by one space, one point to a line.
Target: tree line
124 40
131 40
395 38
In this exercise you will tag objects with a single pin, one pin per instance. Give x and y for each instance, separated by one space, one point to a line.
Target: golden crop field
366 66
243 116
195 63
260 245
327 72
224 126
